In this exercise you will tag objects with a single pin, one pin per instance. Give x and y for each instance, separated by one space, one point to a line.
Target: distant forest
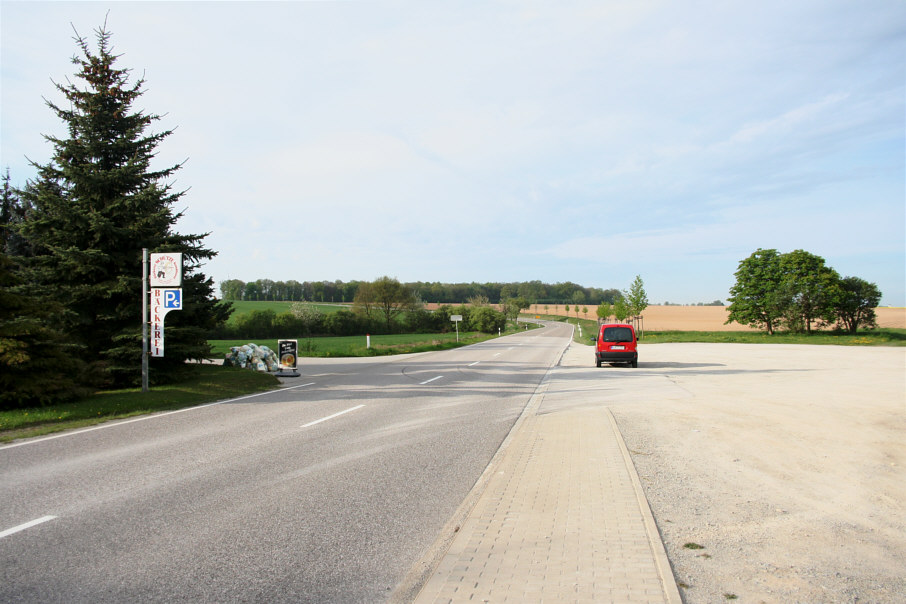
535 292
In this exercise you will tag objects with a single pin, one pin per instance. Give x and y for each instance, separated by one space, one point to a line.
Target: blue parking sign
173 299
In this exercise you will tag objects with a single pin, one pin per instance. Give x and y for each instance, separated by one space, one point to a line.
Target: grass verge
874 337
865 337
208 384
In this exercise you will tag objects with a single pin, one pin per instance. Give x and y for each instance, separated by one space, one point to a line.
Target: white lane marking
431 380
498 354
22 527
473 364
147 417
324 419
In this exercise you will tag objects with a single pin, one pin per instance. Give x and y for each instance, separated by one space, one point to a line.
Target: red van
616 343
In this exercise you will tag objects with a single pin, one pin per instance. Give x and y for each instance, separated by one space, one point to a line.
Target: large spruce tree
38 364
93 208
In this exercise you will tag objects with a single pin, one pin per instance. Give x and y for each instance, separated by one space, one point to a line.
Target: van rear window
617 334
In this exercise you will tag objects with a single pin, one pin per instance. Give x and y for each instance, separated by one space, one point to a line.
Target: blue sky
585 141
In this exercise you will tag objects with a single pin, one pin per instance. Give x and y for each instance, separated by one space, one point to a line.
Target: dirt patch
775 473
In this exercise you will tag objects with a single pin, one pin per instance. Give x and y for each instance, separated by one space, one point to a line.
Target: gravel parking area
775 473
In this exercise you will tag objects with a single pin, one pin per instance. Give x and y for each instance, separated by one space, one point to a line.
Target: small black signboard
287 354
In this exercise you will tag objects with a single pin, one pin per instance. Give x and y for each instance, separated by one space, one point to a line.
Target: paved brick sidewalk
562 517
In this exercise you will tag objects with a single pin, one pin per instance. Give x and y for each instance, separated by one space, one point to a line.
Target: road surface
325 491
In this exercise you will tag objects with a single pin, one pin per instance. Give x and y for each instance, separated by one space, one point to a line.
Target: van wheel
635 363
597 362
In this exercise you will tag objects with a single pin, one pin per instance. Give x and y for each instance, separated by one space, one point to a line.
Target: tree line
436 292
796 291
387 306
307 320
381 306
71 246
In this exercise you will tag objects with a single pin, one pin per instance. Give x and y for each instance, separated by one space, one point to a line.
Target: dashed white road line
324 419
431 380
22 527
473 364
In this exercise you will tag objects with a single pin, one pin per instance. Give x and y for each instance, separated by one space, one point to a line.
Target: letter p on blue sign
173 299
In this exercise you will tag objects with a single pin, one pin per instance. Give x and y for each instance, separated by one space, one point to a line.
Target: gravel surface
775 473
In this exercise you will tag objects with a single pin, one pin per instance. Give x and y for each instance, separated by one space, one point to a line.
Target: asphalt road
325 491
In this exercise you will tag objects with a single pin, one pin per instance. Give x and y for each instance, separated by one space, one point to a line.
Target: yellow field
706 318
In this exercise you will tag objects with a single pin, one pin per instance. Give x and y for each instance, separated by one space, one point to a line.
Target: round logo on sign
165 270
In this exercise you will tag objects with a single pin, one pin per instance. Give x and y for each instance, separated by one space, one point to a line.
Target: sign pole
144 319
456 319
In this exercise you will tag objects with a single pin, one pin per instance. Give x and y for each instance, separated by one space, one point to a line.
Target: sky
501 141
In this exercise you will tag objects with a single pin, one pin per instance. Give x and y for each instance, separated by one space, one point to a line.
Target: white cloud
501 140
790 121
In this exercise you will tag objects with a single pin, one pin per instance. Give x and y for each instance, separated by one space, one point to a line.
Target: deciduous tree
513 306
808 289
310 316
386 297
620 309
605 310
578 298
636 298
232 289
755 298
855 305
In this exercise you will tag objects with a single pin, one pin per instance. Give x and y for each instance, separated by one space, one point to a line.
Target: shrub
487 320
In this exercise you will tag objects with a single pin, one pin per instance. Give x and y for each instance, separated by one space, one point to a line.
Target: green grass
874 337
208 384
354 346
242 307
866 337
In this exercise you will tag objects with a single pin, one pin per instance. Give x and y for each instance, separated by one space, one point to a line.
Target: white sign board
166 270
162 302
456 319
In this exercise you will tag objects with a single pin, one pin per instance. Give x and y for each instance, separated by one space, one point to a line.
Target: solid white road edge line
324 419
146 417
431 380
22 527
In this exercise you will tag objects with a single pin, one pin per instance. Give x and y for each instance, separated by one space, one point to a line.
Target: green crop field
242 307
